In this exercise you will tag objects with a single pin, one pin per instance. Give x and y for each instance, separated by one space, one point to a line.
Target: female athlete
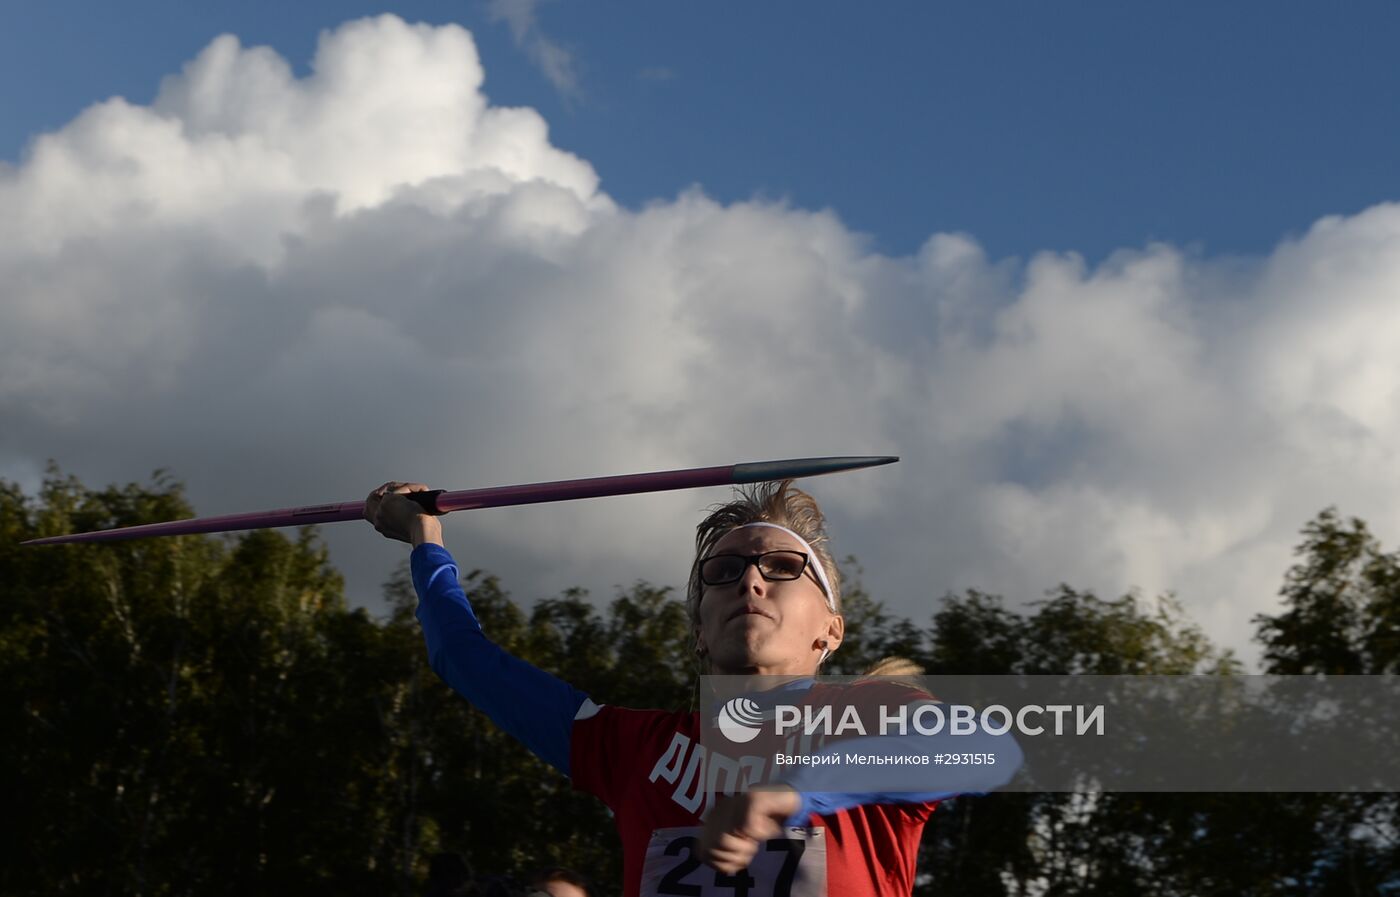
764 596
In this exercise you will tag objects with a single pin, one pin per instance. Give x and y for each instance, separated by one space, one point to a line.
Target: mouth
749 610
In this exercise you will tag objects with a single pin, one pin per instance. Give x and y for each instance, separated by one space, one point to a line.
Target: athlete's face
768 628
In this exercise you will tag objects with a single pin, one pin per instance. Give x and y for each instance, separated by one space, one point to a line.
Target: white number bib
791 866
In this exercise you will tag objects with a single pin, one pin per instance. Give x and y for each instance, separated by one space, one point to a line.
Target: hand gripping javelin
439 501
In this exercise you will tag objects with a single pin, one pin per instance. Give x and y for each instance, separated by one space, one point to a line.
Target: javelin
439 501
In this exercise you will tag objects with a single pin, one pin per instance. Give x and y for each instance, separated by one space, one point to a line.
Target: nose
752 582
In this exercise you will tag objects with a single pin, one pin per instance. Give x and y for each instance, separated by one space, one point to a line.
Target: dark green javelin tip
761 471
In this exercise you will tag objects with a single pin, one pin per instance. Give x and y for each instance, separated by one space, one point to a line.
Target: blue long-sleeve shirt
534 707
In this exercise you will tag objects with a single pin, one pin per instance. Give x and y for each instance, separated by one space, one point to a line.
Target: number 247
741 883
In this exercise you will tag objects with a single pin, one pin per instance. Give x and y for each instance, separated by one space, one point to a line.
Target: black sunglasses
775 566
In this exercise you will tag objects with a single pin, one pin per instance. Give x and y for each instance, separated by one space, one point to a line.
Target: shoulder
616 747
633 722
611 733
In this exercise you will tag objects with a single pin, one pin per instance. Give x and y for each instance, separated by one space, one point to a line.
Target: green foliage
189 714
1342 605
205 715
1065 843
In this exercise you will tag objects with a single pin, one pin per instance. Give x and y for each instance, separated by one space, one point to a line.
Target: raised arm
534 707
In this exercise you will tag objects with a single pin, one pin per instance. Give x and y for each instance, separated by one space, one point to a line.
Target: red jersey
649 767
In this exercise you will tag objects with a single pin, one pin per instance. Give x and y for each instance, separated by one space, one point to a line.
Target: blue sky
1069 126
1117 284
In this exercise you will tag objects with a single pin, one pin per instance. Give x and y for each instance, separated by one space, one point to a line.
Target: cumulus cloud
288 290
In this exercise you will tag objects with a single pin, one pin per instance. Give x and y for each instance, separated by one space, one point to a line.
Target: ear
835 633
700 649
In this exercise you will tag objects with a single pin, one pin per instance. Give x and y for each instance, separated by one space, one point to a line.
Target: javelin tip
805 467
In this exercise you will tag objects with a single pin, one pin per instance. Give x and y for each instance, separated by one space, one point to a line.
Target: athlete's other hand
739 823
396 517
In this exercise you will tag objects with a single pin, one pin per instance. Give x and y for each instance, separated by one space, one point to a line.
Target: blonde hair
897 669
894 666
780 503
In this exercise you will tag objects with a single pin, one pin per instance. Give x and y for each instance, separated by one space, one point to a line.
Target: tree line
206 715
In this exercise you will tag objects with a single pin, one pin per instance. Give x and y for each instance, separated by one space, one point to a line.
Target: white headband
812 560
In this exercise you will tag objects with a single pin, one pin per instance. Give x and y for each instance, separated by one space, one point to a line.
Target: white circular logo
740 720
